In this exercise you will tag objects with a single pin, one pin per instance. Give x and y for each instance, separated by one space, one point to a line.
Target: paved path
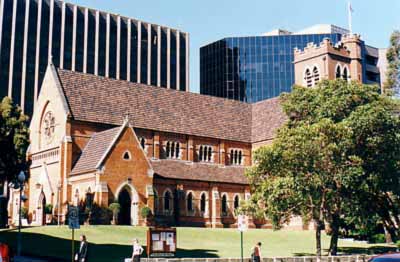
28 259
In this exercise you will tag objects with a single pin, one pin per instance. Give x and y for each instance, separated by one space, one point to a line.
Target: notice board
161 242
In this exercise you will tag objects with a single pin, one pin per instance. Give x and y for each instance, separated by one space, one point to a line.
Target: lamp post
59 204
20 184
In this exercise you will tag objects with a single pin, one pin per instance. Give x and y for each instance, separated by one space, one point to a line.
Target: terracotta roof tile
105 100
98 99
94 151
176 169
267 117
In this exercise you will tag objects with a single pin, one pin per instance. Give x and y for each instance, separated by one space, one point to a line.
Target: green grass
112 243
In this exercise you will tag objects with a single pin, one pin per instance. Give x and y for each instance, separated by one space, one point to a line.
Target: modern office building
33 32
255 68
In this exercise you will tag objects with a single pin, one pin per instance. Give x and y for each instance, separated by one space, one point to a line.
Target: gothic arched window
189 202
203 203
308 77
315 75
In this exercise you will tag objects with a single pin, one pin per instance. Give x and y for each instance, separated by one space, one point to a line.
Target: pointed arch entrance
128 199
40 212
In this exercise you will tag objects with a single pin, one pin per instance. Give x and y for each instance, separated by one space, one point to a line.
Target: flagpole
349 17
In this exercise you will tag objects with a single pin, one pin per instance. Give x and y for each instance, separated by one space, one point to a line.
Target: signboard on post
243 223
161 242
73 217
73 223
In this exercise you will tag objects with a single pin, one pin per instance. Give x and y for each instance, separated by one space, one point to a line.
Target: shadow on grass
367 250
56 249
355 250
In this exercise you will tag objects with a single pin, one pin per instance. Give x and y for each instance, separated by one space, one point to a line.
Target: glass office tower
255 68
33 32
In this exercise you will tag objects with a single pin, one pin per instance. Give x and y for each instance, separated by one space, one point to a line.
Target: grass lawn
112 243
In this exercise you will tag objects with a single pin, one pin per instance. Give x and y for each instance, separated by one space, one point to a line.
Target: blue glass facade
252 69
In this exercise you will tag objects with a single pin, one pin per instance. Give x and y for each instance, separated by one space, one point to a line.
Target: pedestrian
81 256
137 251
256 254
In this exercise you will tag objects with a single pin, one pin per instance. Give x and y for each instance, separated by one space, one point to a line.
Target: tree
337 157
115 209
14 141
392 84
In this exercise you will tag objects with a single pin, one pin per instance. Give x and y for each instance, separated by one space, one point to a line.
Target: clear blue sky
210 20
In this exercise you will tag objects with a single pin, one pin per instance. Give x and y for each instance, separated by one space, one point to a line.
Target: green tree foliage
392 84
14 141
336 160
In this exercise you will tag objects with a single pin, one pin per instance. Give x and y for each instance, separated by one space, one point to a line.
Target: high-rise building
255 68
33 32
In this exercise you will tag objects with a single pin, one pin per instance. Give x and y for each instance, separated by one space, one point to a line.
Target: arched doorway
125 201
41 216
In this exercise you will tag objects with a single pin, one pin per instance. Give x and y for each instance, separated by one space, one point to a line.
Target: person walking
137 251
256 255
81 256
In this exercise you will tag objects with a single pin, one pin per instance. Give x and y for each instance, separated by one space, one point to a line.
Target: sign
243 223
73 217
161 242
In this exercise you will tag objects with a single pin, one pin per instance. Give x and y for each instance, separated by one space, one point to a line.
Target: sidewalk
28 259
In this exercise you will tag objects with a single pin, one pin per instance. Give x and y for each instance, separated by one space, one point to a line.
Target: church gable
48 125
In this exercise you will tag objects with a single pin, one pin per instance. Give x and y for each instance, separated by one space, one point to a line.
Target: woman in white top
137 251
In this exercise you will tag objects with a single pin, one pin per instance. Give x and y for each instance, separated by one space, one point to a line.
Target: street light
58 202
20 185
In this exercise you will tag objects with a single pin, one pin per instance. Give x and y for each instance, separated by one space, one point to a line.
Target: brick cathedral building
183 155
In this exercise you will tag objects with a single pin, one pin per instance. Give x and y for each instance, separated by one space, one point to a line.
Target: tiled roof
104 100
94 150
177 169
267 117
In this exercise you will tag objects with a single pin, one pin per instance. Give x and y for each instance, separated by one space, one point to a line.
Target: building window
155 201
236 157
142 141
308 77
189 202
236 202
315 75
127 155
345 74
167 201
224 205
205 153
203 203
338 71
89 198
172 150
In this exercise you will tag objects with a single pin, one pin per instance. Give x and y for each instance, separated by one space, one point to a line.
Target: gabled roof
267 117
96 150
178 169
103 100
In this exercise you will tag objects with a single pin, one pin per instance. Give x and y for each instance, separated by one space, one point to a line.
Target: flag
350 8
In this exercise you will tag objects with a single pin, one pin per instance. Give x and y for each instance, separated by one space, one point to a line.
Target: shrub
145 212
24 212
100 215
377 238
48 209
115 209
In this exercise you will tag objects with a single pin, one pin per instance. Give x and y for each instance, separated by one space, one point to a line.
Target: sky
209 20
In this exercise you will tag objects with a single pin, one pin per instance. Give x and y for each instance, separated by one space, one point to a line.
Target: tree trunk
389 224
318 230
334 235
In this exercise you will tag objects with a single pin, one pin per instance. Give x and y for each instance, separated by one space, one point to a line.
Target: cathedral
182 155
